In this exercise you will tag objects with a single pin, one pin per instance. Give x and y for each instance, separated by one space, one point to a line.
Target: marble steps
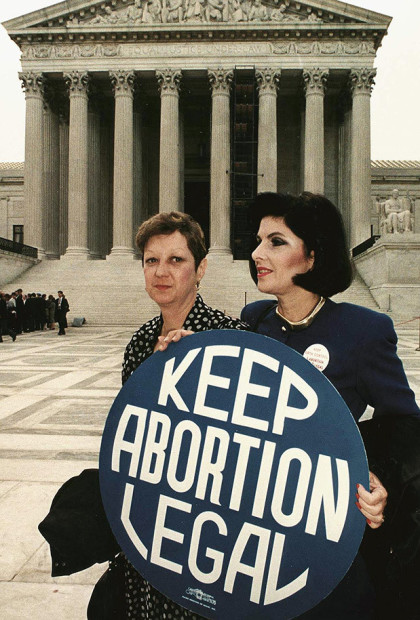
111 292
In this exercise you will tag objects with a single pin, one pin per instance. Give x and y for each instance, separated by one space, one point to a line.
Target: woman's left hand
173 336
372 503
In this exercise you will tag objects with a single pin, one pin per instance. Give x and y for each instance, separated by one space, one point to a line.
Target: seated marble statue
397 216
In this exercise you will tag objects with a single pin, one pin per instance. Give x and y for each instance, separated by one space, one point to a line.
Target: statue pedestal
391 270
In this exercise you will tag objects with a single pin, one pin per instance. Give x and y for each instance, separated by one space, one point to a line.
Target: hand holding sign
372 503
228 468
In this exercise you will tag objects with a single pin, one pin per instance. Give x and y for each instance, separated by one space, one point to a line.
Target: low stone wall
391 270
13 265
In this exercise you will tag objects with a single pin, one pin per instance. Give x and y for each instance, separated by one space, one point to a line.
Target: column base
220 251
122 252
76 252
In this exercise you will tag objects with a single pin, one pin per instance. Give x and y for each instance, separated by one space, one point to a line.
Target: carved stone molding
33 83
169 81
122 82
362 80
267 80
201 48
77 82
220 80
327 48
315 81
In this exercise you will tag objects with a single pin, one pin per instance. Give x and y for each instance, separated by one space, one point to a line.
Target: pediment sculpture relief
198 11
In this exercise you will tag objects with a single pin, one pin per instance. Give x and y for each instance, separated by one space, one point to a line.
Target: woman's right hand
173 336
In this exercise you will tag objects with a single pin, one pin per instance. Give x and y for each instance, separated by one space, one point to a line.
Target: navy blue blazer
362 346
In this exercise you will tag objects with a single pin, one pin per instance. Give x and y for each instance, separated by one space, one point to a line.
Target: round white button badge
318 355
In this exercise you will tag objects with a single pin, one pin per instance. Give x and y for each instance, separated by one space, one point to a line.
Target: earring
198 285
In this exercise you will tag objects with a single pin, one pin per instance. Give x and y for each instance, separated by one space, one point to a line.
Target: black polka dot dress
141 599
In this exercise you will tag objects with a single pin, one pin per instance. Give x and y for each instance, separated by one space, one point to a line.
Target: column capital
220 80
77 82
314 81
33 83
362 80
122 82
169 81
267 80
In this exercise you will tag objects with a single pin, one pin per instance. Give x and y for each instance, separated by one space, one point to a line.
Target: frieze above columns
123 82
169 81
267 80
33 83
198 48
220 80
315 81
362 81
77 82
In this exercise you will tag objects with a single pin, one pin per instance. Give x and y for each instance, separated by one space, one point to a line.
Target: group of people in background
20 313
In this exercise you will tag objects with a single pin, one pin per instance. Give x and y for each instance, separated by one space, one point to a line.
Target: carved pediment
129 14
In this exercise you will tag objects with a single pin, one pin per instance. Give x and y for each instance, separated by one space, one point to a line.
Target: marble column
78 86
123 86
140 202
344 142
267 84
181 155
361 84
51 168
169 169
95 217
314 86
33 85
64 181
105 189
220 82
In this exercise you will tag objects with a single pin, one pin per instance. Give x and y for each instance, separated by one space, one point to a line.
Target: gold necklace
296 326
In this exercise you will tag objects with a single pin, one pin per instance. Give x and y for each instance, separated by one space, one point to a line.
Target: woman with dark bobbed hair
301 258
317 222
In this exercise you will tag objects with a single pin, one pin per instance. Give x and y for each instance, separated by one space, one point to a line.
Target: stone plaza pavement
55 394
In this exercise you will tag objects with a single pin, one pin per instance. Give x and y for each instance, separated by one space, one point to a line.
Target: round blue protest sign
228 472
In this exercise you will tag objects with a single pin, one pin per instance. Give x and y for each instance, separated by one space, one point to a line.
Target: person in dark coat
43 312
61 309
50 312
39 312
5 327
29 312
301 258
20 307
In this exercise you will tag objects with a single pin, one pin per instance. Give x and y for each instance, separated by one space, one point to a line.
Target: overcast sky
395 98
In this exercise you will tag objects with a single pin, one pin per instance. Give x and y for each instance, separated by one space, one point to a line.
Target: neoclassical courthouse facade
136 106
